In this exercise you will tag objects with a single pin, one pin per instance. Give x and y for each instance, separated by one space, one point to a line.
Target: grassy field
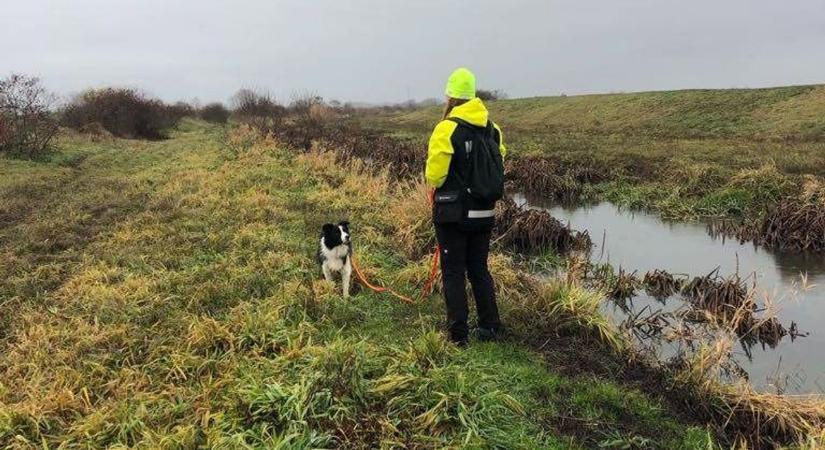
164 295
686 154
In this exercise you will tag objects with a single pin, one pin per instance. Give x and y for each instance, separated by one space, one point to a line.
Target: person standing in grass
465 166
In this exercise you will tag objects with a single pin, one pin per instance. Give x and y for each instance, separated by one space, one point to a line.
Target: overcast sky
381 50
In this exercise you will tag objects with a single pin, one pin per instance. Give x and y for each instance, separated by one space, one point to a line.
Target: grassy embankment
685 154
163 294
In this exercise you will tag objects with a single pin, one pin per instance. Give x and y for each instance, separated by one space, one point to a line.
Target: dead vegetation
404 158
542 176
730 302
725 302
624 285
752 419
519 229
721 296
703 379
796 225
96 132
661 284
532 231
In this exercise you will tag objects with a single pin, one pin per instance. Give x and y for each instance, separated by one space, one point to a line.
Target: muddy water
793 282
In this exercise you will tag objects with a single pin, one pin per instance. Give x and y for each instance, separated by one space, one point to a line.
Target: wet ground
793 283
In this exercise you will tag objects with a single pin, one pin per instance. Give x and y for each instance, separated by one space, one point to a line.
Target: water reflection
790 265
792 282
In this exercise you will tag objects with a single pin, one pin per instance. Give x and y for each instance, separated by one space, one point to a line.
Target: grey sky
378 50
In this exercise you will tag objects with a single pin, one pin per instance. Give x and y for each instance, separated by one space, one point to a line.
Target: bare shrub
26 123
258 109
215 113
123 112
309 117
491 95
182 109
248 102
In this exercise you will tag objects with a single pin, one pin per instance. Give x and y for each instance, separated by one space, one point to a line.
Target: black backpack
485 176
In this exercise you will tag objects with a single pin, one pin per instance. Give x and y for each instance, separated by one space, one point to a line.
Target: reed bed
534 231
624 286
542 176
795 225
751 419
719 295
729 301
661 284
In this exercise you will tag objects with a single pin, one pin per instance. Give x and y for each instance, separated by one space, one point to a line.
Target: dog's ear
344 224
328 228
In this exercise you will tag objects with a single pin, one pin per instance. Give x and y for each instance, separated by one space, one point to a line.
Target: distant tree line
30 117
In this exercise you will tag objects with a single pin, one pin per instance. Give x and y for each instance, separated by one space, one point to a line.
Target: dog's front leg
346 274
327 272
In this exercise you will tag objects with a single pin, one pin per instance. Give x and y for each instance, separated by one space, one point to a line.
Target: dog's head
335 235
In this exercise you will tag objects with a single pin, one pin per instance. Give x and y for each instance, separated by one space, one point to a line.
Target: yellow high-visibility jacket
440 150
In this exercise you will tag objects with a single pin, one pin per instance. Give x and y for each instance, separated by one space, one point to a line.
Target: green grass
163 295
681 153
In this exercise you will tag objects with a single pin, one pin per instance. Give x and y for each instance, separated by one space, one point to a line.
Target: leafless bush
26 123
182 109
344 109
123 112
491 95
309 116
248 102
215 113
258 109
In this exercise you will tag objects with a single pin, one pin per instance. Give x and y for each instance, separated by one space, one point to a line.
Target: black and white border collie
335 253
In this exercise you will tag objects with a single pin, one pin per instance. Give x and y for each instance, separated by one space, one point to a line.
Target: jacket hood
473 112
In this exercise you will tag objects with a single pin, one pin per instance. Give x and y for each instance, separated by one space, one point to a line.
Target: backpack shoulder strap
488 127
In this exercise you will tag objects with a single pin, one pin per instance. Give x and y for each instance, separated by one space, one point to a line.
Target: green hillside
686 154
796 113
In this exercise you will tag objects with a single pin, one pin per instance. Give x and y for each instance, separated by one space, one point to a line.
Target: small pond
795 283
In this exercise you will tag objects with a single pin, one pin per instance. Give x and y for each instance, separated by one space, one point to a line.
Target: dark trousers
463 252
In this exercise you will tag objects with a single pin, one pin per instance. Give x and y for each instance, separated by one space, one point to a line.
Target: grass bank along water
163 295
748 156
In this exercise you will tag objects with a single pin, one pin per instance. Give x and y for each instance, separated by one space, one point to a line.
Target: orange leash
366 283
428 286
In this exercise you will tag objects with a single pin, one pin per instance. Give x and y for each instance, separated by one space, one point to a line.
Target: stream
794 283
